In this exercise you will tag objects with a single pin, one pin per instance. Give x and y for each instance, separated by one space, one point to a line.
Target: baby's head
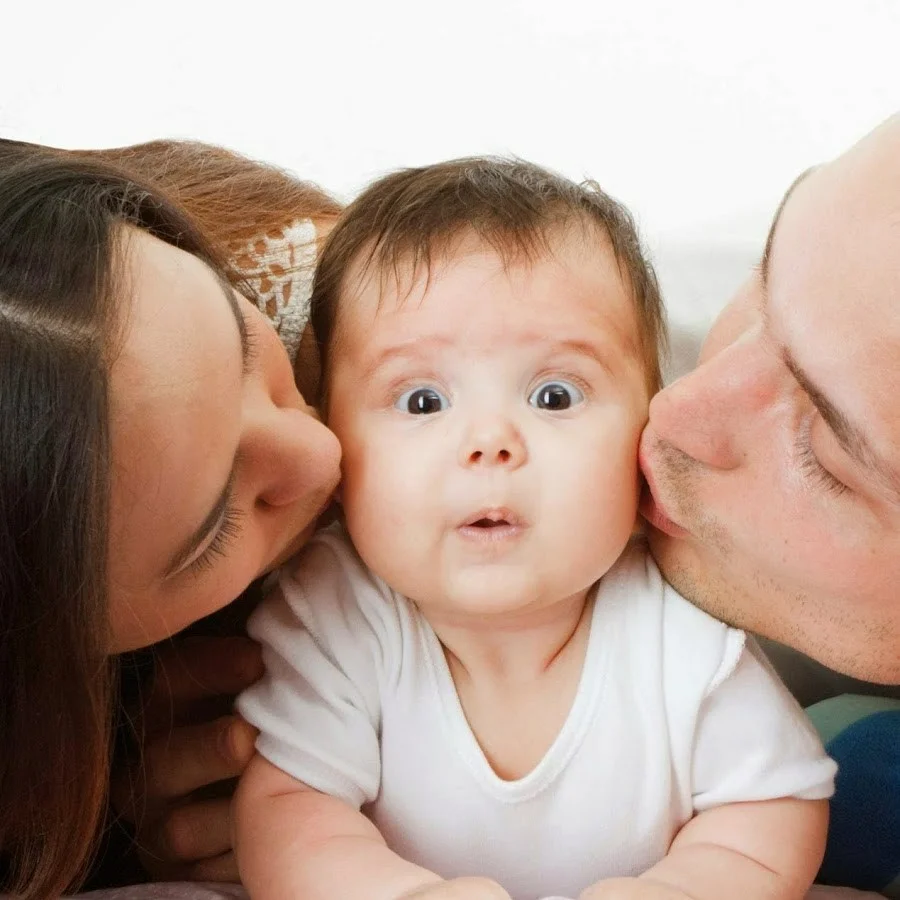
490 336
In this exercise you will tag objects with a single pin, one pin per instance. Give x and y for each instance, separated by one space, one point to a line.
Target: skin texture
734 452
480 344
185 414
766 545
482 341
183 407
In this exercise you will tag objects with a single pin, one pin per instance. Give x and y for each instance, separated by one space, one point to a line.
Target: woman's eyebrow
214 517
235 307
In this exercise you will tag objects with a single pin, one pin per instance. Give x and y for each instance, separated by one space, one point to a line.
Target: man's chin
678 562
666 550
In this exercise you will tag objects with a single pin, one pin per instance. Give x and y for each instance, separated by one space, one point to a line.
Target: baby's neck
512 649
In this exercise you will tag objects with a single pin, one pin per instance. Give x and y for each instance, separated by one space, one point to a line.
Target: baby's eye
422 402
555 396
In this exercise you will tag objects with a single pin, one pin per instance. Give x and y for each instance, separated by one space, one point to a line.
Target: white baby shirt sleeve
752 739
329 633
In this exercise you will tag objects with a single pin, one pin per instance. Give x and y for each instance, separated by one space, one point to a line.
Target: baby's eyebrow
580 348
411 348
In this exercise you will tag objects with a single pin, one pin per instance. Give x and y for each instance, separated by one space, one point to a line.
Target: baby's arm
769 850
292 841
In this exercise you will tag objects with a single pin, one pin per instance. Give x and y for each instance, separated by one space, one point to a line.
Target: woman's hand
177 790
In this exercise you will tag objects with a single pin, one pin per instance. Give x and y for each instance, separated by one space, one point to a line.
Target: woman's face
219 468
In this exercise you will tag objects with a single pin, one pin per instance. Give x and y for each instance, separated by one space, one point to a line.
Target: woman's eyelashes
251 339
229 529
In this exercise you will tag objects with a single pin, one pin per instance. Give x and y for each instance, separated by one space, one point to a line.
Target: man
774 474
774 467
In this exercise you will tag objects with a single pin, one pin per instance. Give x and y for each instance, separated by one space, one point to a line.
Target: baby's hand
459 889
631 889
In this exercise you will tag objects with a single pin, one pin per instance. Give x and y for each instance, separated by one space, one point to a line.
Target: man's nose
491 442
712 414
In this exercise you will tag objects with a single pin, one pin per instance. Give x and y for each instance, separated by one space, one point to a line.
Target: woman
156 454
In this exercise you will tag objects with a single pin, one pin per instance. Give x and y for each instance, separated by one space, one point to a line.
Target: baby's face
490 423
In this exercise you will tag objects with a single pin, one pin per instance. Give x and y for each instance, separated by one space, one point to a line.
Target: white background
696 113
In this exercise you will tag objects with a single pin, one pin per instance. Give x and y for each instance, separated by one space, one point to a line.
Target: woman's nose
284 449
491 442
711 414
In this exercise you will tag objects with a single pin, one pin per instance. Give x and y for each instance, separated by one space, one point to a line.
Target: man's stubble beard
700 566
696 579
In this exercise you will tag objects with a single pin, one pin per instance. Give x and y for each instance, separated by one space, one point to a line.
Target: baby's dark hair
406 219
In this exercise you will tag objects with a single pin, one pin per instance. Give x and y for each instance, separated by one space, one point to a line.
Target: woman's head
219 470
150 418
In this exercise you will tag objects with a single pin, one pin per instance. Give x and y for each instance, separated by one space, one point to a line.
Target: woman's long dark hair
63 303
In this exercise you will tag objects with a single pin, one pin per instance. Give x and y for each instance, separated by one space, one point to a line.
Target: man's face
774 468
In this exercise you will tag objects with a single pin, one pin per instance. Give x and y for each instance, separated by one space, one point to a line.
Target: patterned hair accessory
279 267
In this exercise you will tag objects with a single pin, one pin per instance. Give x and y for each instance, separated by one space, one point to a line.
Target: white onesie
675 713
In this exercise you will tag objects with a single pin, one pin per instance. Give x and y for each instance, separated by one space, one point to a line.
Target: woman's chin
322 517
291 549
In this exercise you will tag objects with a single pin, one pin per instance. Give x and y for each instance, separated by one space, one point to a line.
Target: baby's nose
495 442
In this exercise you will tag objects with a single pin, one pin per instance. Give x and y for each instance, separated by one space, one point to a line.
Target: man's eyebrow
848 434
215 516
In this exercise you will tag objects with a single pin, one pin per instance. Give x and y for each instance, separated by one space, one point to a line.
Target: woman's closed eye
228 530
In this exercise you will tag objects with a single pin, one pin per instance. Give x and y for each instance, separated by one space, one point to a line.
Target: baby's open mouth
488 523
493 519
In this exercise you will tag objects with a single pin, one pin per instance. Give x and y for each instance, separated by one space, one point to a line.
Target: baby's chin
496 605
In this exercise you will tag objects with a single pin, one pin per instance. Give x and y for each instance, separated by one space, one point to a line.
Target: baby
480 687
